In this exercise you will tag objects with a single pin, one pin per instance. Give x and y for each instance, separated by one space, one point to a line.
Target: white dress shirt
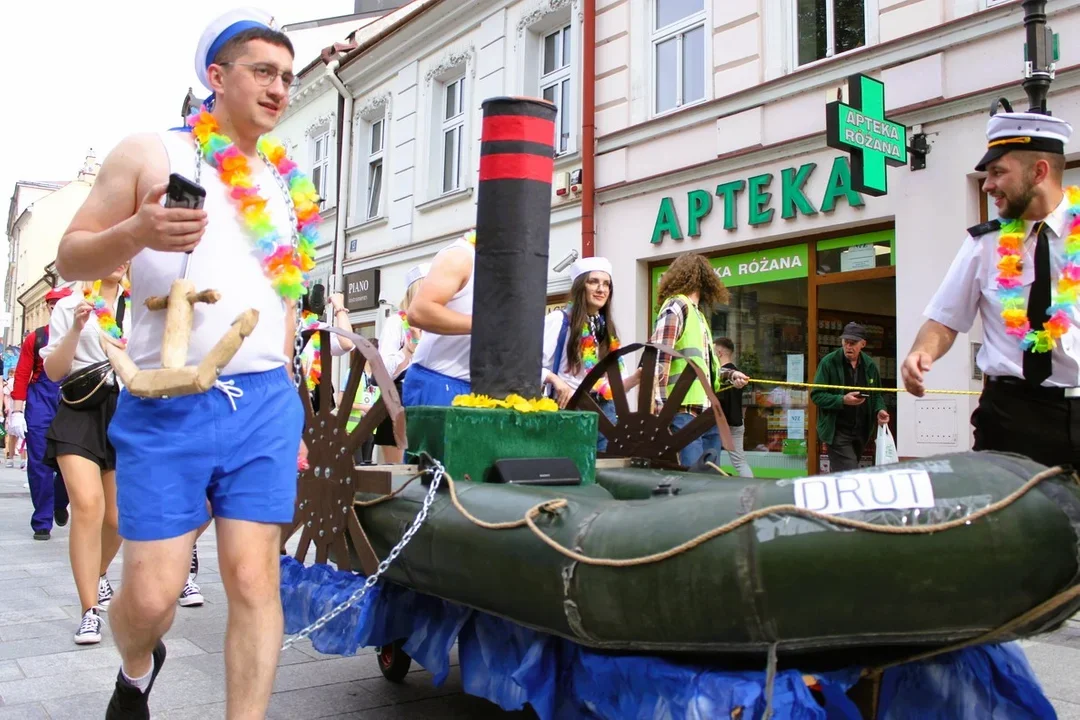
970 287
552 327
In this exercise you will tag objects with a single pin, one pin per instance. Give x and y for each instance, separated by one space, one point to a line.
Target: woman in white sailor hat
580 335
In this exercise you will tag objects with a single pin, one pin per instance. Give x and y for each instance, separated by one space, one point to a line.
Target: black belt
1014 383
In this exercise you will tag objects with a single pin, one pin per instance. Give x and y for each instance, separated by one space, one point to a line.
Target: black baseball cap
853 331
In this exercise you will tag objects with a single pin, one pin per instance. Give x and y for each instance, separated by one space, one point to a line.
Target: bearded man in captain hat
1020 274
236 445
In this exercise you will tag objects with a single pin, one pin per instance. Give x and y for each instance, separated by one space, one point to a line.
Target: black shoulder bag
88 388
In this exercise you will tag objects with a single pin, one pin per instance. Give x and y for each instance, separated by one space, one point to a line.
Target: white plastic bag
885 450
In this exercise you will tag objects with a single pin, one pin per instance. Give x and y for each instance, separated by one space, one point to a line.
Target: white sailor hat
588 265
417 273
221 30
1009 131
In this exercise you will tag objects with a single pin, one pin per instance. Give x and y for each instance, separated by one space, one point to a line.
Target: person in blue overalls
39 396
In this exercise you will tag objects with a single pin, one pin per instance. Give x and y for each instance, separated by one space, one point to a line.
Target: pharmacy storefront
803 252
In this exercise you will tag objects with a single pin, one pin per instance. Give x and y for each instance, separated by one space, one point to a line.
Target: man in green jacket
845 420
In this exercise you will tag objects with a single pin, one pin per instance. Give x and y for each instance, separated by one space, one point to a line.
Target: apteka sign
862 130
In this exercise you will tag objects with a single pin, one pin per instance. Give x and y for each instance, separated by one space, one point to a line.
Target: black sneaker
42 535
60 516
130 703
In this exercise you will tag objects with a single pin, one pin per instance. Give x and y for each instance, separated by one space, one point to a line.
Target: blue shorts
173 455
427 387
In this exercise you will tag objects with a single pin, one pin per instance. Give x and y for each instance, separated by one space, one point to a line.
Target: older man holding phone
846 419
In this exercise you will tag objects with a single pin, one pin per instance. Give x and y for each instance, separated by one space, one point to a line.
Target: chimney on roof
377 7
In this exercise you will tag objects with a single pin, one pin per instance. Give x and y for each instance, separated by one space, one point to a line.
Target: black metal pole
1038 67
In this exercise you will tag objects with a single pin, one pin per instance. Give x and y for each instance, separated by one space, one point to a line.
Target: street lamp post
1039 63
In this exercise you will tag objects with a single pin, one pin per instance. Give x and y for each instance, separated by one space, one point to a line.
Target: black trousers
845 450
1037 422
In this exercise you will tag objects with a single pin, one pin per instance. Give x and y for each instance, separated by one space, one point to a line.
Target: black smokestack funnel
513 223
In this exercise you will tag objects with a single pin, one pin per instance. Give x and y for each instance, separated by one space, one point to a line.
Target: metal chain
437 473
298 338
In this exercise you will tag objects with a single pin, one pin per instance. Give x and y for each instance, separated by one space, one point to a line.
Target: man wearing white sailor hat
235 446
1017 274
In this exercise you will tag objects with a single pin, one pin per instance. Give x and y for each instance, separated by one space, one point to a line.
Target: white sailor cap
221 30
417 273
1009 131
588 265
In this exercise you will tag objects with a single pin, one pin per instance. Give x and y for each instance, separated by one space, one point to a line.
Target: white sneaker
190 596
89 632
104 593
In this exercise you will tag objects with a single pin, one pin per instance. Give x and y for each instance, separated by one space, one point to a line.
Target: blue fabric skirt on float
513 666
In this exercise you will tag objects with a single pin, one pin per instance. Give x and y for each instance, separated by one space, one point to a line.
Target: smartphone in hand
183 193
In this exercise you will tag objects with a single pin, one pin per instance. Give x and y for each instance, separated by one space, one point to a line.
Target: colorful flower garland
105 318
285 268
590 355
309 321
1010 288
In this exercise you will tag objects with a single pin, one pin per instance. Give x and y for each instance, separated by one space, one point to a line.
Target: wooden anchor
173 378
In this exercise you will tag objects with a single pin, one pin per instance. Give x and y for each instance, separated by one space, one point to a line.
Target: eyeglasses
266 74
598 283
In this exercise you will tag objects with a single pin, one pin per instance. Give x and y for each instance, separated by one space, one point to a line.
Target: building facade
711 122
26 193
417 85
33 238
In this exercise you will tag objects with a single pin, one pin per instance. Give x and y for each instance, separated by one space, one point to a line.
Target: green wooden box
468 441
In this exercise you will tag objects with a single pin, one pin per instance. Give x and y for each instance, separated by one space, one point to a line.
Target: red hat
57 294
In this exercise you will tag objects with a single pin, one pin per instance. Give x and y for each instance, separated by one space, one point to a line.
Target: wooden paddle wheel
640 433
327 488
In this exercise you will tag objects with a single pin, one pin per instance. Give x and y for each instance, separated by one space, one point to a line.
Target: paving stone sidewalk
43 674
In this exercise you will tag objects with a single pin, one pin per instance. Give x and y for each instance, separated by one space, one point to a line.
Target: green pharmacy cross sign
862 130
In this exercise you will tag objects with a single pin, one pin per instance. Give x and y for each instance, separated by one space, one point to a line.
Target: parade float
626 586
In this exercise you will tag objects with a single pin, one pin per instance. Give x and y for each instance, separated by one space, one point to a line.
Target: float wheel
394 662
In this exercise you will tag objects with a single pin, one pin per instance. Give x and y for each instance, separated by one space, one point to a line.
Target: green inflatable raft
796 580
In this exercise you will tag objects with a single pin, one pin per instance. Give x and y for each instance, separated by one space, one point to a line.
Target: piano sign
362 290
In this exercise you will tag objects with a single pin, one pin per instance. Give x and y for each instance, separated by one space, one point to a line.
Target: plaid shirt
669 326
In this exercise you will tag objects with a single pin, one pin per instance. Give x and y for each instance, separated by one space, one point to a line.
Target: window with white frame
320 164
376 143
452 133
555 84
678 51
824 28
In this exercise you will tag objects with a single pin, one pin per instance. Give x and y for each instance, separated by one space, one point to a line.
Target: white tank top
449 354
225 261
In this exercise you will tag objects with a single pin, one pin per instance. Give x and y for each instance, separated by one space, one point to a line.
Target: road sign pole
1039 67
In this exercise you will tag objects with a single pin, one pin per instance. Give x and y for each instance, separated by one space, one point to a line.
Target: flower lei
106 319
285 268
590 355
308 321
1010 290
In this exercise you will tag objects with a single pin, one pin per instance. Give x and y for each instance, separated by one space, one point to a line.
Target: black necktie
1037 366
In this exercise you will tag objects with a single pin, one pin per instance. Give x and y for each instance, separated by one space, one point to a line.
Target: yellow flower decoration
512 402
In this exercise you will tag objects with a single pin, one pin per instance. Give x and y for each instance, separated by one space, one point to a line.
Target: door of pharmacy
854 281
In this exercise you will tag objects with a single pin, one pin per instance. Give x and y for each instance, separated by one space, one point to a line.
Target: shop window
825 28
555 82
375 168
452 133
768 324
320 166
856 252
678 51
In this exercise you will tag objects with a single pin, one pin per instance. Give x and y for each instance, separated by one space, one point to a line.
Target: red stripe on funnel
516 166
518 127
